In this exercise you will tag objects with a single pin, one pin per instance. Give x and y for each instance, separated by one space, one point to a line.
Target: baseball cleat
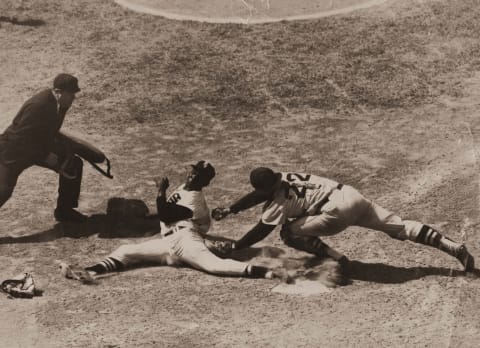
466 259
76 273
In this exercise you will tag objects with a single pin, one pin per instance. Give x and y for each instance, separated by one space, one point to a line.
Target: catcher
185 220
309 207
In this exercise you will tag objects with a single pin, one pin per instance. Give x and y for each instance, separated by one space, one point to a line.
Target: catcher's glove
221 248
20 286
220 213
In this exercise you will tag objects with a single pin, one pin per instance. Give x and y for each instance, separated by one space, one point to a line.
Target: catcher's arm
246 202
255 235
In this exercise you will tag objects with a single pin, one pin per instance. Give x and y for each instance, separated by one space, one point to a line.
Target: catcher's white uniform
311 205
182 241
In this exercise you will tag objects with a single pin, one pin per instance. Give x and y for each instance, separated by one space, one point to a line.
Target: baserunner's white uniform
183 241
311 205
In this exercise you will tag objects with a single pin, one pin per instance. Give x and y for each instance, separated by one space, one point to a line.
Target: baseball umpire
185 221
308 207
31 140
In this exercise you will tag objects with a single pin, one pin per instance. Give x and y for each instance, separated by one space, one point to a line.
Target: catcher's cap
66 82
263 179
204 169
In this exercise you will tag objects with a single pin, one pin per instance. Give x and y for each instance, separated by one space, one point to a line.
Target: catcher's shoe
466 259
76 273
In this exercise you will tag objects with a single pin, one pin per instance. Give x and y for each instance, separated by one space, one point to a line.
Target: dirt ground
385 99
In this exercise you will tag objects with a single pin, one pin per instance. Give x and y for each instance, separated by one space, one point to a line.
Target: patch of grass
327 64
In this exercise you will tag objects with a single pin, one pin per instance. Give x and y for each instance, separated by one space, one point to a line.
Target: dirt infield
385 99
246 11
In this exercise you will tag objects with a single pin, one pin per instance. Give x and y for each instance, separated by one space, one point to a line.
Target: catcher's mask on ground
264 179
202 173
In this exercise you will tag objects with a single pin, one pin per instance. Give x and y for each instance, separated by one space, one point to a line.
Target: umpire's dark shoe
69 215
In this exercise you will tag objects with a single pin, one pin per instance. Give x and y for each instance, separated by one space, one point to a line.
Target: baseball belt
326 199
172 230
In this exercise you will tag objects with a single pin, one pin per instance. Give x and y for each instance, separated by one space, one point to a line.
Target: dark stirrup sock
108 265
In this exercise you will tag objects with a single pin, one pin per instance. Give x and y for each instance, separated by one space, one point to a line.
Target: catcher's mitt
21 286
220 213
221 248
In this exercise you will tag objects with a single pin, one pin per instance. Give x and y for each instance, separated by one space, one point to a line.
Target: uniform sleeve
29 137
171 212
248 201
274 214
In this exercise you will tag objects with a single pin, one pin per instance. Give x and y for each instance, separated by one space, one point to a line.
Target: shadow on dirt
125 218
251 252
29 22
102 225
382 273
355 270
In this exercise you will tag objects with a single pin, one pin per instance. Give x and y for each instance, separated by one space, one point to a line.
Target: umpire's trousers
68 188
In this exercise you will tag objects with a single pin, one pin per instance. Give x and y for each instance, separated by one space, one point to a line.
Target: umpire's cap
263 179
66 82
205 170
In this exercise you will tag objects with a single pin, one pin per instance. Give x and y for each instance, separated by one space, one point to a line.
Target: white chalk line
132 5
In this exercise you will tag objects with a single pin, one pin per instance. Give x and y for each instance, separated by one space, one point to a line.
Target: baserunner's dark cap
204 169
66 82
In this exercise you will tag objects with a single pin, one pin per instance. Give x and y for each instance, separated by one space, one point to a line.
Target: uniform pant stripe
428 236
110 264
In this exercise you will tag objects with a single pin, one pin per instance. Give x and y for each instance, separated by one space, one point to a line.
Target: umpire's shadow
103 225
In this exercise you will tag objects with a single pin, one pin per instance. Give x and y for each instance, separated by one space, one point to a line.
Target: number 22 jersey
299 195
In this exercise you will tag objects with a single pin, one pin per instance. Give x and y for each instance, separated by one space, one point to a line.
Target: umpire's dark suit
28 141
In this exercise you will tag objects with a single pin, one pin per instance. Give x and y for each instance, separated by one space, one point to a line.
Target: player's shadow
29 22
355 270
252 252
383 273
100 224
125 218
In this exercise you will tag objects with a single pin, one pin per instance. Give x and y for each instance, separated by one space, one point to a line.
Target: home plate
302 287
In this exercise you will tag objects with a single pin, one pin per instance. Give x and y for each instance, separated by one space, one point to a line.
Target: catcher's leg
342 209
191 250
152 251
380 219
302 234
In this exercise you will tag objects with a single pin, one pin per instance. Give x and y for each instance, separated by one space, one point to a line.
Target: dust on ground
386 101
